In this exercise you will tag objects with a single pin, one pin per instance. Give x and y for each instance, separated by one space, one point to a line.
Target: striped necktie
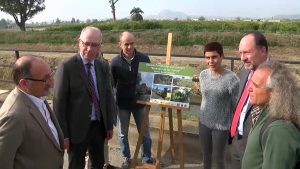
92 91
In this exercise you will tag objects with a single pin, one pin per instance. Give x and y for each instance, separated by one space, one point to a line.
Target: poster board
164 84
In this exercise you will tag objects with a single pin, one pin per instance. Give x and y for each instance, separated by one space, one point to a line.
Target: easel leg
161 137
140 139
171 149
181 148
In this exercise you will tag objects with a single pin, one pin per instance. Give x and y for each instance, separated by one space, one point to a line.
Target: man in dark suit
26 120
253 51
83 101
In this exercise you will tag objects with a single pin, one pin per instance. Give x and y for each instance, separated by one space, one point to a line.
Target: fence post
232 64
17 54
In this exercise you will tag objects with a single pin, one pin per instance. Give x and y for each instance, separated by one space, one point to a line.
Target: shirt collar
37 101
122 55
85 61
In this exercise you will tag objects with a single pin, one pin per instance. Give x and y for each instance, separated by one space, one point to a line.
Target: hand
110 134
66 143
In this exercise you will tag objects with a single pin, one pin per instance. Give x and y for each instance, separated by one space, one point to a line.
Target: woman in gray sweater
219 88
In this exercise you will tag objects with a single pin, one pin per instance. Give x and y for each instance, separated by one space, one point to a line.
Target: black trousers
213 143
93 143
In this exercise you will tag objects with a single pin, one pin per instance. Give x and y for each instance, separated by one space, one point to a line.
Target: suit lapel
99 74
99 70
81 71
244 80
56 124
36 114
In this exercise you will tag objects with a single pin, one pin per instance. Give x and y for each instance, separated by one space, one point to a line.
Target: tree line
24 10
6 23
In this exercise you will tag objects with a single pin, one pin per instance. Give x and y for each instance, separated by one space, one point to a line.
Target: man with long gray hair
274 141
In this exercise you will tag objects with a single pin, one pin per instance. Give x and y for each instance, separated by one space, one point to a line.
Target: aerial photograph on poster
144 86
164 84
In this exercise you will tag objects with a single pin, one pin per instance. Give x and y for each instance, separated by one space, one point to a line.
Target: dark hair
213 46
21 71
260 39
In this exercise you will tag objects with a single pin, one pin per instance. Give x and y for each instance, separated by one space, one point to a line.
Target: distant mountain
292 17
168 15
172 15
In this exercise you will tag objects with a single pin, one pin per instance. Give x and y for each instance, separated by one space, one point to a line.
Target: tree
88 21
94 20
58 21
113 8
22 10
202 18
73 20
6 23
136 14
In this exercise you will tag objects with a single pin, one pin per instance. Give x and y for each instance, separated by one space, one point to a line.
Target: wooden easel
164 110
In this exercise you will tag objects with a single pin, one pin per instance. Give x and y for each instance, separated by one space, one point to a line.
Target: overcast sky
100 9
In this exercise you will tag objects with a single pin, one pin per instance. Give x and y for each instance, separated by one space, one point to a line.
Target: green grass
190 26
185 33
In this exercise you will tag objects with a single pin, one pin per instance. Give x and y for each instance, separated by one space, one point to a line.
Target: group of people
87 94
258 112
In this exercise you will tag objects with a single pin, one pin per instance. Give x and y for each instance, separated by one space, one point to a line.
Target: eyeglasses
91 44
127 44
45 80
